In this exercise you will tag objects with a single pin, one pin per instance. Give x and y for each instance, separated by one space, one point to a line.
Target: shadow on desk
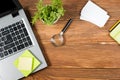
37 36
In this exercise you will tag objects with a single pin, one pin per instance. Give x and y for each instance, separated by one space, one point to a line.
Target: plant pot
53 22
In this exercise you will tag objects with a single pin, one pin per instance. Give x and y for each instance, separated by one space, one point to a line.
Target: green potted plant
50 13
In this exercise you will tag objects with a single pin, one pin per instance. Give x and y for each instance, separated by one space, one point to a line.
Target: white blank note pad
1 78
94 14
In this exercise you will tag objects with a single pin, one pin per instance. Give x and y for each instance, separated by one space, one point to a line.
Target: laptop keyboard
13 38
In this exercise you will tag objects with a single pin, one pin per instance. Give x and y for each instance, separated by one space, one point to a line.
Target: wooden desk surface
89 52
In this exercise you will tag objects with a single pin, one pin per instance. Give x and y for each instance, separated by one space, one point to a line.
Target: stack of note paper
26 63
115 32
94 14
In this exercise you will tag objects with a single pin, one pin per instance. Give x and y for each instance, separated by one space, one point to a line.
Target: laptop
16 36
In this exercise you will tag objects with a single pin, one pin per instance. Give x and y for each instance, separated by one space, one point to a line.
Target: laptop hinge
15 13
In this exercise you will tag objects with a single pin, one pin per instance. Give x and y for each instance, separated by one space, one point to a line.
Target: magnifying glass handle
66 26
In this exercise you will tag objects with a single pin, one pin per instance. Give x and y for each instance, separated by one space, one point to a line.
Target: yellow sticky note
115 32
117 38
26 63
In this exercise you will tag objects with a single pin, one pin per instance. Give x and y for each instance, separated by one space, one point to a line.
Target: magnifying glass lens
57 40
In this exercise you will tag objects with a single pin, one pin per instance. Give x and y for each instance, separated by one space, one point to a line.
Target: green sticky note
26 63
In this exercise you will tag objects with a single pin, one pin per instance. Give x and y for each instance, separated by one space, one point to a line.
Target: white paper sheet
99 20
94 14
91 8
1 78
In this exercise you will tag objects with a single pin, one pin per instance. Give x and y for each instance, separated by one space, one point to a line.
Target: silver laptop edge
7 69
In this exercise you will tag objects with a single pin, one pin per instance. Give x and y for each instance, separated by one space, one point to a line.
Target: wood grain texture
89 52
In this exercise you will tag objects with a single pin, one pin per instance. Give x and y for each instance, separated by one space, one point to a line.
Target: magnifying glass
58 39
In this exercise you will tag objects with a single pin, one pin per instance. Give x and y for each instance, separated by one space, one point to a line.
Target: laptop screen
6 6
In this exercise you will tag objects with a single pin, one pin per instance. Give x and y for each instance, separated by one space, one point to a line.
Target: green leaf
48 13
